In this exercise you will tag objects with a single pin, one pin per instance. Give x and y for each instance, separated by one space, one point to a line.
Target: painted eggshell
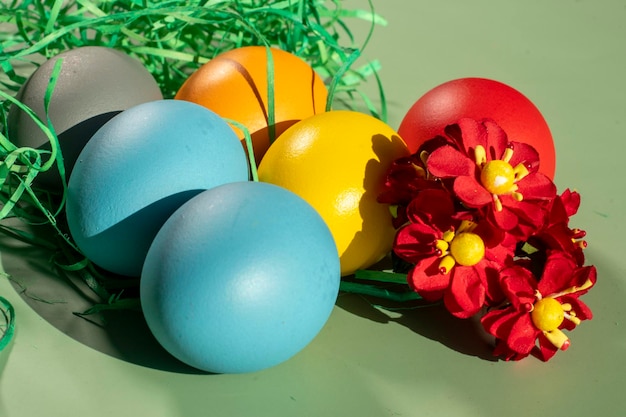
479 98
240 278
234 85
95 84
139 168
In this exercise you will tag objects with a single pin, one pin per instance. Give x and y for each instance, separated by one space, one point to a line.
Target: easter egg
240 278
337 161
138 169
479 98
234 84
95 84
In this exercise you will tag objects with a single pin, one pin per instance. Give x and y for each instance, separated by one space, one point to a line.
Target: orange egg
234 85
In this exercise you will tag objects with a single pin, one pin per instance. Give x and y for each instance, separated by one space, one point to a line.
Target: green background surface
569 58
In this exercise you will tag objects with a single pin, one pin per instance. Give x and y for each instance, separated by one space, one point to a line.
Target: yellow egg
337 162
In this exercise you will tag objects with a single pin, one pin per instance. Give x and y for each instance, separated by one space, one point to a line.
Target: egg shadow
261 138
138 231
129 333
71 141
61 299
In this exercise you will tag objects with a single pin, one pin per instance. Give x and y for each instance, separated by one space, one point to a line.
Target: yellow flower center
460 247
547 314
497 177
467 249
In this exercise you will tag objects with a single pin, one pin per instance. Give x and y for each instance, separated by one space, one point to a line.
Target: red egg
479 98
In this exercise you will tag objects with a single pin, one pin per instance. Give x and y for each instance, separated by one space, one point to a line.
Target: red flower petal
491 282
491 235
526 155
581 275
571 201
414 242
466 294
506 219
471 192
497 140
546 349
498 253
583 312
448 162
433 207
520 218
558 273
470 133
499 322
454 132
427 281
518 285
513 329
528 210
559 237
558 212
523 335
502 350
536 187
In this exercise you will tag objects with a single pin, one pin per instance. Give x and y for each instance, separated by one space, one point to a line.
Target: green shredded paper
7 322
172 39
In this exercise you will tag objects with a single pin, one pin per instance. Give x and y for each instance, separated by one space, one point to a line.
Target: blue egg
240 278
138 169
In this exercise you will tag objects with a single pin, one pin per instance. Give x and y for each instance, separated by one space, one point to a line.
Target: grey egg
95 84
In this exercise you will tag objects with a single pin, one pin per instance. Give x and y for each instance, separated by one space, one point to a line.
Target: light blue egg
240 278
138 169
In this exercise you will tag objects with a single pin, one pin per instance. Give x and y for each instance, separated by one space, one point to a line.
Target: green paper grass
172 39
384 284
7 322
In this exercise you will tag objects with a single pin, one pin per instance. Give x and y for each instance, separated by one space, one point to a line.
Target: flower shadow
386 149
431 321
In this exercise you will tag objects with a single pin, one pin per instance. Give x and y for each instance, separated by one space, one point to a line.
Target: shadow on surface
122 334
432 321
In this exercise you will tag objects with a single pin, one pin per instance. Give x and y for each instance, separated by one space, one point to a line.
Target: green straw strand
377 291
7 324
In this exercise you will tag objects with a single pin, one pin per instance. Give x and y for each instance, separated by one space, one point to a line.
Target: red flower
491 173
556 233
481 227
539 310
406 178
455 258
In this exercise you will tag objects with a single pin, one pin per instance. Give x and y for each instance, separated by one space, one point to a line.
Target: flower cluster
485 232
